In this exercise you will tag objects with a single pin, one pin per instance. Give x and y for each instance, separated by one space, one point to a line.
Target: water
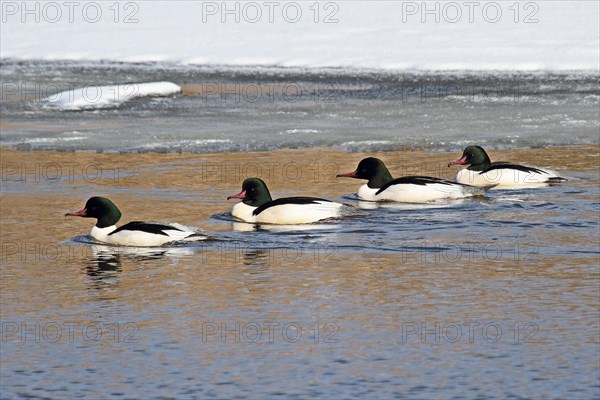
491 297
249 109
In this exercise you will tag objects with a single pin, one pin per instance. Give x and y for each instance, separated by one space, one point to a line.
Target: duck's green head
254 193
100 208
475 157
373 170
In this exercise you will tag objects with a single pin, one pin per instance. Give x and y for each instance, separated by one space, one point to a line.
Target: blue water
248 109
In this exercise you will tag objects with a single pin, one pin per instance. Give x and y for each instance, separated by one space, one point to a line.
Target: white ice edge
97 97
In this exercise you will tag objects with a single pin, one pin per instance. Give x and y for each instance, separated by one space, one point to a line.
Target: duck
257 206
136 233
482 172
381 186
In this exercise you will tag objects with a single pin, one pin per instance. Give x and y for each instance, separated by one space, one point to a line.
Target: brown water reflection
391 305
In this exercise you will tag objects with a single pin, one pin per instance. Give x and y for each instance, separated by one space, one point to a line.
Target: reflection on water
256 258
527 186
102 252
104 263
393 205
249 227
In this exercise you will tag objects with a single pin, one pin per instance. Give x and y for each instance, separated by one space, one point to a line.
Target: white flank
410 193
505 178
290 214
145 239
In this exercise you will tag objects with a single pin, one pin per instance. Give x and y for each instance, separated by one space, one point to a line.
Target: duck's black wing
417 180
288 200
507 165
148 227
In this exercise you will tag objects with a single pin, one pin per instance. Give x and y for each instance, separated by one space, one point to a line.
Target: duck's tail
556 179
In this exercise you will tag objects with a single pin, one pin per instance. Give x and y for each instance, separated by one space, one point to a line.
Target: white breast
366 193
244 212
101 234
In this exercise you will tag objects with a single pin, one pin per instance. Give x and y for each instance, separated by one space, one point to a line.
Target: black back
416 180
502 164
287 200
157 229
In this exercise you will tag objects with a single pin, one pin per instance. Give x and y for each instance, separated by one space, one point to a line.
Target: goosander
257 206
483 172
143 234
409 189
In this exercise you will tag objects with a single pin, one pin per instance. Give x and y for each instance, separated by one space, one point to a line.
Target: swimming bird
482 172
143 234
257 206
411 189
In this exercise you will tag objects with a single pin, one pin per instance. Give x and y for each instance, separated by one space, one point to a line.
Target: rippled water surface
492 297
250 109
